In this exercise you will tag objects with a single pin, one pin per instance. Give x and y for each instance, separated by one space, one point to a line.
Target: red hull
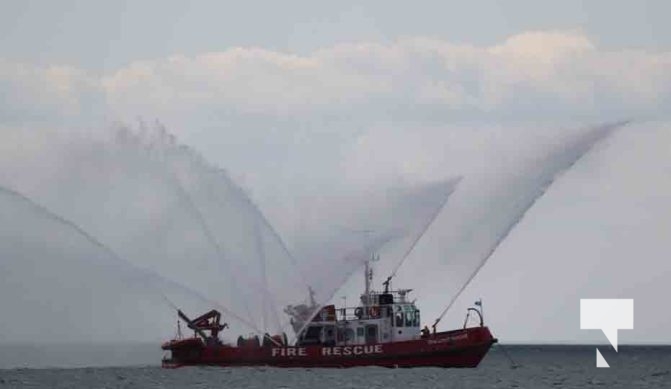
460 348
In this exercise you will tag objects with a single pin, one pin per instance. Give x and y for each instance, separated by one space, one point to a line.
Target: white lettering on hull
289 352
351 350
337 351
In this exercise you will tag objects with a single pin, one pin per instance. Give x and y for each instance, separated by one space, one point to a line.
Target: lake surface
535 367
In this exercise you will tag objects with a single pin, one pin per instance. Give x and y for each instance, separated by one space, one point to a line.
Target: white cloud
547 70
536 73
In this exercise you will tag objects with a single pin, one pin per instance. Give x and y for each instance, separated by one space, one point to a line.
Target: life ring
358 312
374 311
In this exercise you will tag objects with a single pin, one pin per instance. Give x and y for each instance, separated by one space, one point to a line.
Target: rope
513 365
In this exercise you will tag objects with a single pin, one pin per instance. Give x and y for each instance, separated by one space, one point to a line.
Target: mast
368 273
368 278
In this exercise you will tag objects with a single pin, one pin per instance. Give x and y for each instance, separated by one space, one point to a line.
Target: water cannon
210 321
386 284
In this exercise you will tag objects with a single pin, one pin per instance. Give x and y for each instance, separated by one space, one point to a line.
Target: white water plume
484 210
164 208
353 227
60 284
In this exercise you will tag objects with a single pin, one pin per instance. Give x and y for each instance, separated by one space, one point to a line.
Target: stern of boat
182 352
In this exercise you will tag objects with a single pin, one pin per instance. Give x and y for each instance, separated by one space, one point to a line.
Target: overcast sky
297 98
107 35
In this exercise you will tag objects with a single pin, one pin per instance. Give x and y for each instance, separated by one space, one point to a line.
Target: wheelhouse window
409 318
399 317
313 332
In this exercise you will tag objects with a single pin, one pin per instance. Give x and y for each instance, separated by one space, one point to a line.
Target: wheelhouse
380 318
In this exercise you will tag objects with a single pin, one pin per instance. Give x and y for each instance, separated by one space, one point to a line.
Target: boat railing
363 313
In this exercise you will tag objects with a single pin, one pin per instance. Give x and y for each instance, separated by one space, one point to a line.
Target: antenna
368 275
311 292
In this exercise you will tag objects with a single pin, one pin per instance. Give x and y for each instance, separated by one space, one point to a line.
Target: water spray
113 255
591 140
453 183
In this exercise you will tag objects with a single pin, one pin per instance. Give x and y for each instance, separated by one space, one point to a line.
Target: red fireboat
383 331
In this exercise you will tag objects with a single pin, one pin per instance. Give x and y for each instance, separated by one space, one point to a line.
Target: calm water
539 367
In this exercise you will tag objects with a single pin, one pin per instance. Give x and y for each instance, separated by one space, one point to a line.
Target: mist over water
162 209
